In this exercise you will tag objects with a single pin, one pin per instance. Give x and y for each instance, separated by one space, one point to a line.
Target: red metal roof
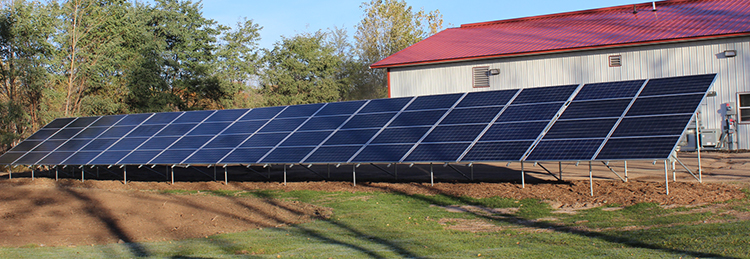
590 29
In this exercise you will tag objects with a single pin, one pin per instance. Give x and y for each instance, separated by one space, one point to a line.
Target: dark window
744 107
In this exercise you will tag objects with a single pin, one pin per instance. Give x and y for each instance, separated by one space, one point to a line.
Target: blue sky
291 17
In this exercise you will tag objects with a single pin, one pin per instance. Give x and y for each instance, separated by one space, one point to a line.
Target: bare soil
68 212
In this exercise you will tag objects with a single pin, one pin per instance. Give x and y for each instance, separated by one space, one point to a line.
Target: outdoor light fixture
494 71
730 53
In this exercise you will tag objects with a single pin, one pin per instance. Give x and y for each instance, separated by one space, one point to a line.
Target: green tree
25 30
300 70
387 27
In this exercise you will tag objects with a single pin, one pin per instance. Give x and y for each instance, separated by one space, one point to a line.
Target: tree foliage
300 70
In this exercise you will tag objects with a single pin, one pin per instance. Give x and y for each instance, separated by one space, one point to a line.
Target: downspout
388 72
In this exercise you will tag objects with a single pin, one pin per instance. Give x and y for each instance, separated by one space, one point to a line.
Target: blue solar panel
417 118
569 149
471 115
638 148
162 118
265 140
158 143
610 90
595 109
385 105
678 85
455 133
262 113
226 115
208 156
176 129
107 121
545 94
444 101
381 153
193 117
514 131
652 126
581 129
82 122
306 138
531 112
287 155
139 157
665 105
245 156
497 151
384 130
283 125
351 137
487 98
368 121
341 108
305 110
437 152
324 123
59 123
333 154
400 135
48 145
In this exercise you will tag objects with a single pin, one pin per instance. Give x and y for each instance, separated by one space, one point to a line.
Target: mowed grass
393 225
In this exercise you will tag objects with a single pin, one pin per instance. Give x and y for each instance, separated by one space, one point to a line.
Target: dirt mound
69 212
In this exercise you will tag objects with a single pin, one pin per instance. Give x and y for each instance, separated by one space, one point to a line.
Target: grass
392 225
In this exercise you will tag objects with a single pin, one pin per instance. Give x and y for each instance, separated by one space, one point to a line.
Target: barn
641 41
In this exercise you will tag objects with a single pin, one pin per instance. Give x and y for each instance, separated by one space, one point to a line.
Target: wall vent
481 76
615 61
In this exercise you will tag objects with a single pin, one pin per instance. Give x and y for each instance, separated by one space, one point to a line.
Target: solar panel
636 119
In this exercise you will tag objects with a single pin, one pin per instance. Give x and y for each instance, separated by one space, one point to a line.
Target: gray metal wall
653 61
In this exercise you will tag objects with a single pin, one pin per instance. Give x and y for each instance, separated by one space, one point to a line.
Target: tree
237 56
25 30
387 27
300 70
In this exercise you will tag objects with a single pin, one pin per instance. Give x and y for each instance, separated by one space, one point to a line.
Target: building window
481 76
744 107
615 61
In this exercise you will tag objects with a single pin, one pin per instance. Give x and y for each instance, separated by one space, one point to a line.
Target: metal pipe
432 176
83 172
559 168
626 170
354 174
226 181
172 174
523 176
284 175
124 174
32 173
591 179
666 176
56 168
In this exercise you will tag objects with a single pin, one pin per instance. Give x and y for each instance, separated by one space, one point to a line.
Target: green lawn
392 225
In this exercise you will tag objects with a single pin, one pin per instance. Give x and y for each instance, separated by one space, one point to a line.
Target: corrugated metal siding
654 61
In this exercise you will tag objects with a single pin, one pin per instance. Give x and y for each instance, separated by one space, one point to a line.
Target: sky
291 17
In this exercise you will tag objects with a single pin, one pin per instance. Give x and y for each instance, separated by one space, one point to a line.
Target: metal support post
97 172
226 181
284 175
395 170
32 173
523 177
626 170
10 172
214 172
56 173
269 172
432 176
666 176
124 174
674 173
172 174
471 166
354 174
591 179
83 172
559 169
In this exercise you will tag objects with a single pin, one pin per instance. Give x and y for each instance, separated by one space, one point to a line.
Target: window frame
740 108
474 76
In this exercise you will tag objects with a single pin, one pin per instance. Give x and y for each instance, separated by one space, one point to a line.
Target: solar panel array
626 120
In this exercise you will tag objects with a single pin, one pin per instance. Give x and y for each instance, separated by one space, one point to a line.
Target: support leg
472 171
32 173
698 148
125 175
10 172
83 172
171 177
432 176
56 172
354 174
591 179
626 170
395 170
284 175
559 169
523 177
214 172
674 171
226 180
666 177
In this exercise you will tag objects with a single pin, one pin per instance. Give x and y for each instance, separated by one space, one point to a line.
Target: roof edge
600 47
